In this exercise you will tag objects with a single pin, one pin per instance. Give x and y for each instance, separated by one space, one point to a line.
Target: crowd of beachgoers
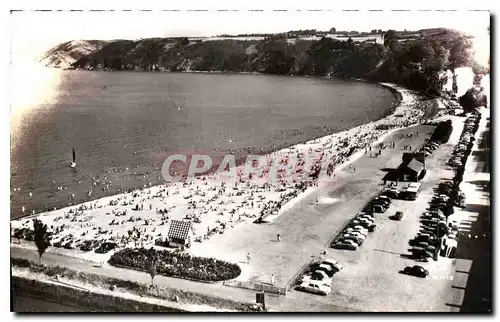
141 217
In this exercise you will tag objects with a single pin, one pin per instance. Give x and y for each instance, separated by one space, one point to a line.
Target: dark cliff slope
271 55
413 59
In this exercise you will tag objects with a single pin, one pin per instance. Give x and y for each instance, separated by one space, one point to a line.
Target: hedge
177 265
442 132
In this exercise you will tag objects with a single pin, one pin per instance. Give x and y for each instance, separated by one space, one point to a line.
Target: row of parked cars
358 228
429 147
434 223
464 146
319 277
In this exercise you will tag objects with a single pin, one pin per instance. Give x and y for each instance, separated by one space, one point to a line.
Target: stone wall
82 298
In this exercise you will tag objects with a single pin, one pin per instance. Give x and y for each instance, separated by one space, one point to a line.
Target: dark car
378 208
397 216
416 270
384 198
391 193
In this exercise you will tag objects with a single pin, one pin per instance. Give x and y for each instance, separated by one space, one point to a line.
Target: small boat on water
73 164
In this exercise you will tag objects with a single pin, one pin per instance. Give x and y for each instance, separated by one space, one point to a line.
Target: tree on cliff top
42 238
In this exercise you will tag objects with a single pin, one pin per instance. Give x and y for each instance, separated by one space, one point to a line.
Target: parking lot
370 280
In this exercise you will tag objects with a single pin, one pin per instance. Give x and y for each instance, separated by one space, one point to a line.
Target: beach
212 203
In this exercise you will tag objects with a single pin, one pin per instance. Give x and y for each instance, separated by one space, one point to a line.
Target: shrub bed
24 233
105 247
178 265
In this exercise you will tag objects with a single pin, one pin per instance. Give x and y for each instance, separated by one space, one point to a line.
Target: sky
32 33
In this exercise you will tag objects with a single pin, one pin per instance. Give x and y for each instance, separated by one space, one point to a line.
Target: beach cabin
180 233
412 171
419 156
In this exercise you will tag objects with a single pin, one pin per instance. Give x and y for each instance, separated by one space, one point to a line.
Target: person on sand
248 258
278 237
273 280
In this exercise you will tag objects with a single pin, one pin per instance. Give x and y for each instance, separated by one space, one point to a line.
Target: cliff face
270 55
65 54
412 59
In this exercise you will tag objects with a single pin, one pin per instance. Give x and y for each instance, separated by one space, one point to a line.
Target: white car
366 220
350 231
316 288
358 234
361 231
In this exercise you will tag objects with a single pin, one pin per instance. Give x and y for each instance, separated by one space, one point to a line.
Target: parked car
317 276
315 288
349 230
383 197
391 193
416 270
397 216
381 202
359 234
366 219
378 208
327 269
350 239
341 245
359 224
333 264
362 233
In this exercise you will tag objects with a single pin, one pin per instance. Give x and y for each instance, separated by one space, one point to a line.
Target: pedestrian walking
273 279
354 169
248 258
278 237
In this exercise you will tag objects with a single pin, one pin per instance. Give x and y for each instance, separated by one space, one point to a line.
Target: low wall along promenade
82 298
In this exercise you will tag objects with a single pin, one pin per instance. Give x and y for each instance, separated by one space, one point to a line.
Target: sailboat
73 164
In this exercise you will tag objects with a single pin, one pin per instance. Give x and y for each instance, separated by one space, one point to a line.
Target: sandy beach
212 203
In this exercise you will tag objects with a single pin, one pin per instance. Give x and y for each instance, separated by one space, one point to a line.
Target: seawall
81 298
